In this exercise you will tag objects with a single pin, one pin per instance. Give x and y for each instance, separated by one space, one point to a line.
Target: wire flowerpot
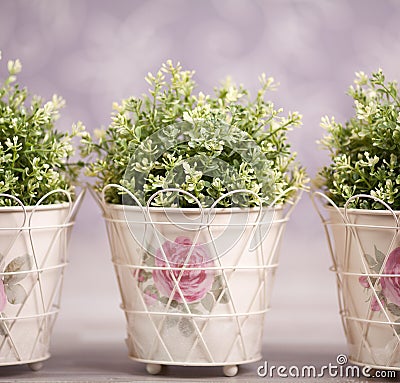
365 249
195 282
33 243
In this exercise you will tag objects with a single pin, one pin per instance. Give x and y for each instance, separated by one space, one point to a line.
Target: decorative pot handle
376 199
77 204
40 202
19 202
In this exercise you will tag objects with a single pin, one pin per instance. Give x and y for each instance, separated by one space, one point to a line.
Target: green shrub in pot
361 188
364 150
231 110
185 155
38 204
34 155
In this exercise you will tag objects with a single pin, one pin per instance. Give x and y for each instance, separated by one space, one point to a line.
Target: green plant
206 145
365 150
33 155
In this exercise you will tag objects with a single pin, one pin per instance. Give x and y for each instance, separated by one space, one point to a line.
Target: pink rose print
194 283
150 298
391 285
375 304
139 274
3 297
364 281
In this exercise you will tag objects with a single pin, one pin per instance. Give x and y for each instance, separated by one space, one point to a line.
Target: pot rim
363 211
28 209
220 210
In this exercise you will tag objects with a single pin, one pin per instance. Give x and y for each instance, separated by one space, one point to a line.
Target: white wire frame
26 327
263 270
347 302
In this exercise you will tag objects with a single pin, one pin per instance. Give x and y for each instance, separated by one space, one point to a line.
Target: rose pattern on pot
193 282
185 264
11 291
387 287
391 285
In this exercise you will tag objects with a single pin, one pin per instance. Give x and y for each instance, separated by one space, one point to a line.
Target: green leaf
221 296
16 294
138 131
370 260
376 269
194 310
164 300
216 293
394 309
208 302
3 330
171 321
397 327
148 259
380 257
22 263
150 289
218 283
186 327
225 297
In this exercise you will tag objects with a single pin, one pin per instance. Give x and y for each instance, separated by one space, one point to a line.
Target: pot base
34 364
229 370
195 364
155 369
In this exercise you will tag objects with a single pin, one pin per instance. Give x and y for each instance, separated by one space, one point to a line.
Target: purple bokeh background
94 52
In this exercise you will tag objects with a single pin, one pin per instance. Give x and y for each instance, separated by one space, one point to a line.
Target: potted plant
361 194
37 208
193 189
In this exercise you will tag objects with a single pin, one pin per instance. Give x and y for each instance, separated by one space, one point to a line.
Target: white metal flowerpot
195 283
365 248
33 243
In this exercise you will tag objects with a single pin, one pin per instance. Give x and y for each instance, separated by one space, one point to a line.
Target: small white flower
187 117
14 67
99 133
361 78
